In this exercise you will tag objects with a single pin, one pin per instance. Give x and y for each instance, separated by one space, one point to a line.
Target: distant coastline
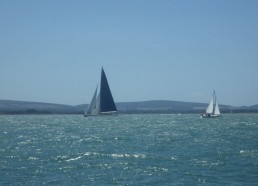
8 107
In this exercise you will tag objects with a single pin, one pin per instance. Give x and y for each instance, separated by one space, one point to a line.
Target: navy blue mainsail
107 103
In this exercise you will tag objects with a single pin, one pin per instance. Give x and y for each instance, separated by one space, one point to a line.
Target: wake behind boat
102 103
212 110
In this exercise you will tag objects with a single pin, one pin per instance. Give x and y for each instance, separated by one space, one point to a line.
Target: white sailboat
102 103
212 110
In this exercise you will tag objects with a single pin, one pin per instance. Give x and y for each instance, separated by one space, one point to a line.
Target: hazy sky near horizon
53 51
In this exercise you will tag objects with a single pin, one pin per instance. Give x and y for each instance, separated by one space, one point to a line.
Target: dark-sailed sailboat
102 103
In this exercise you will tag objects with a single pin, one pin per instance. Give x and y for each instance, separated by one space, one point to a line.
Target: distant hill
19 107
155 106
254 106
160 106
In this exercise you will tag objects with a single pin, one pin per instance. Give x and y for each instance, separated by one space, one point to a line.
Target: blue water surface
128 150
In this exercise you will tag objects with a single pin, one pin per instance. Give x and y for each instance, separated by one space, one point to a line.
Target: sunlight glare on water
129 150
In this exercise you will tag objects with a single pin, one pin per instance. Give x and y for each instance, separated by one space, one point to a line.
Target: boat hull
210 116
103 114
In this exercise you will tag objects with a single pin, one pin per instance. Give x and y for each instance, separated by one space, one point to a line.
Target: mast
107 103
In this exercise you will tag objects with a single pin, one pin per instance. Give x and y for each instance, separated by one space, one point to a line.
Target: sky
181 50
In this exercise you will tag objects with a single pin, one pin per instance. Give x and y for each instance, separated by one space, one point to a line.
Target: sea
144 149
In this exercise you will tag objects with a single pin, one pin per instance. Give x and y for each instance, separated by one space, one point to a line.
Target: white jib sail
217 112
92 105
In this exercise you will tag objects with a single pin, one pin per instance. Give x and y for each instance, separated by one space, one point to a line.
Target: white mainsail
209 109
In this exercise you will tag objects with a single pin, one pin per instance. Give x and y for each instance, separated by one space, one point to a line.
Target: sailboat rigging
102 103
212 110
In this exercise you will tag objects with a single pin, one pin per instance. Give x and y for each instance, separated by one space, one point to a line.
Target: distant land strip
140 107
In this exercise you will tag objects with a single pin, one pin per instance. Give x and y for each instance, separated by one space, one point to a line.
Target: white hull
209 116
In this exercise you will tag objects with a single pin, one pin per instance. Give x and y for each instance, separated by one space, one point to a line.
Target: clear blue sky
53 51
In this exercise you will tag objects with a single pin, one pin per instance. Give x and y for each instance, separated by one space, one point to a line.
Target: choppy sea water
129 150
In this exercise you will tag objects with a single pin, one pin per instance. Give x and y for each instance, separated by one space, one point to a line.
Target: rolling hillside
12 107
155 106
